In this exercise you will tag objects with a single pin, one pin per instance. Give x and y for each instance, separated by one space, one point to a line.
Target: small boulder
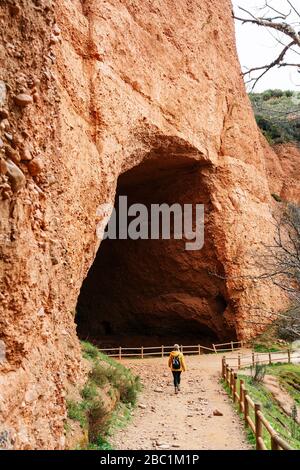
12 154
162 443
14 9
4 114
7 135
3 92
36 97
217 412
56 30
54 39
15 175
23 100
3 167
35 166
26 154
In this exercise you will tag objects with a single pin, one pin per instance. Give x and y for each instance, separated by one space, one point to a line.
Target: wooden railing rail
144 351
240 395
247 360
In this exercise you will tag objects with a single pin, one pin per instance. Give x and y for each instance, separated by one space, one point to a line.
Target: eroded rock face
122 84
283 171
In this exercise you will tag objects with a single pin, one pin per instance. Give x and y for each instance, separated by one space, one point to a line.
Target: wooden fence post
162 351
258 426
199 349
227 374
289 355
223 366
142 352
231 345
246 407
241 395
239 361
234 386
270 358
214 348
253 359
231 381
120 352
274 444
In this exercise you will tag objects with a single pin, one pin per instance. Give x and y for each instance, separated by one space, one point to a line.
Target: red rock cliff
89 90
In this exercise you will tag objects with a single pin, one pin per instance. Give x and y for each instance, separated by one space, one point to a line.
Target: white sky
256 46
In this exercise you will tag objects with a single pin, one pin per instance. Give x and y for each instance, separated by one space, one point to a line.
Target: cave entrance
153 292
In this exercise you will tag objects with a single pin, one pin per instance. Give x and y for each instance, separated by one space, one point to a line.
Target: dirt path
164 420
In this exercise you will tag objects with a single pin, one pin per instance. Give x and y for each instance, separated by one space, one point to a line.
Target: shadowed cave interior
153 292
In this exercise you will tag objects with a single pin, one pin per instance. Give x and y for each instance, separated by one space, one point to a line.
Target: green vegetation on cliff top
277 114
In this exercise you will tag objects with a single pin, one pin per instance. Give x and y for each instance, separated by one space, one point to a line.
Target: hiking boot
176 390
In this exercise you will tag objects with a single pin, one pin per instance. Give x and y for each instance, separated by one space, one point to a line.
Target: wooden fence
162 351
240 395
247 360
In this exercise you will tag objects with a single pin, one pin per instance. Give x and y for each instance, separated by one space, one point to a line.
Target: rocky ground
199 417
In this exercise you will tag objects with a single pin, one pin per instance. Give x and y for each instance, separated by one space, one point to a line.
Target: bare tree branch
282 27
277 263
287 29
281 15
292 6
277 62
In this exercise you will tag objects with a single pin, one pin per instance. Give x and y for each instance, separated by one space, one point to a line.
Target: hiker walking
177 365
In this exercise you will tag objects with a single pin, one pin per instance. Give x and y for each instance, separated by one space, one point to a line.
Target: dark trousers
176 376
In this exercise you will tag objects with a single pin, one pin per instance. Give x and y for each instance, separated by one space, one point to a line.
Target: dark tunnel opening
153 292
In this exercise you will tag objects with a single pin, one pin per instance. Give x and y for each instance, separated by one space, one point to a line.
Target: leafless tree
280 263
284 26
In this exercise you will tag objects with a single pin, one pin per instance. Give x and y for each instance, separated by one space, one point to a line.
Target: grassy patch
281 423
274 337
111 378
100 444
260 347
76 412
289 378
285 426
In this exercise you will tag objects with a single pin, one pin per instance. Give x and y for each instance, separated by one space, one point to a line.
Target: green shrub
277 114
100 444
98 418
91 412
129 391
77 412
259 347
89 351
289 93
259 372
99 375
268 94
89 391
